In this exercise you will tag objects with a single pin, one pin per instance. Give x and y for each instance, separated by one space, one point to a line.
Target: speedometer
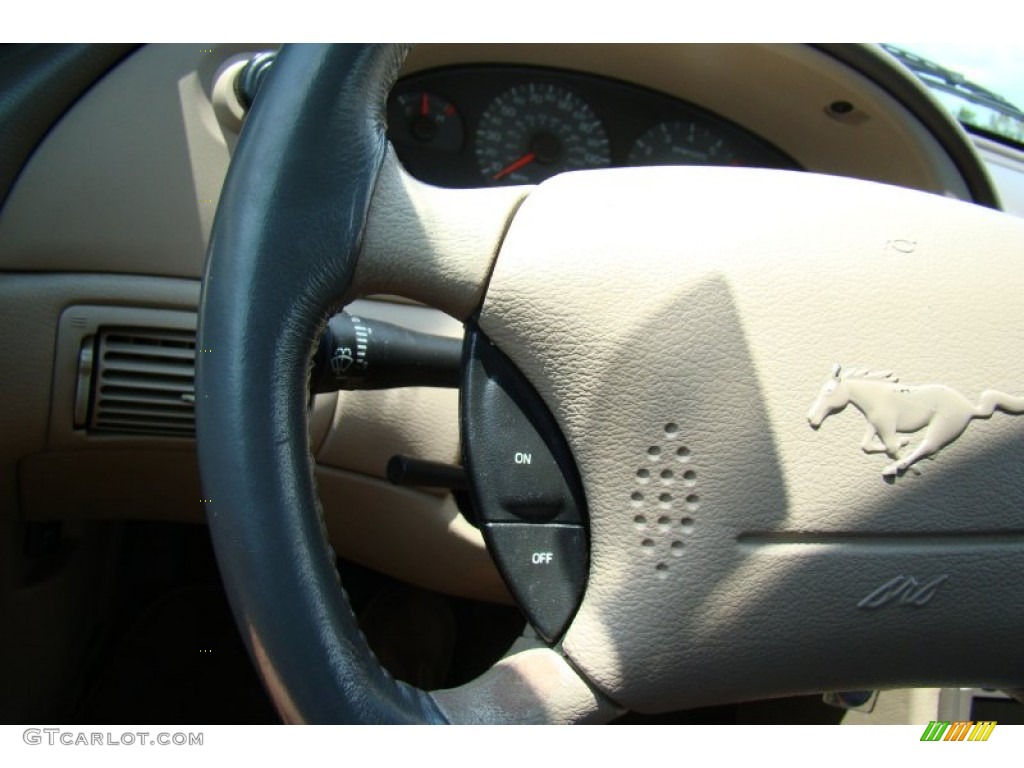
535 130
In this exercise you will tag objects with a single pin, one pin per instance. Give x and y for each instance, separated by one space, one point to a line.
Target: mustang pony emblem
892 408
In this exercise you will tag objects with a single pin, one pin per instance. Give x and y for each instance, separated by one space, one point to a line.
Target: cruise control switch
525 488
356 353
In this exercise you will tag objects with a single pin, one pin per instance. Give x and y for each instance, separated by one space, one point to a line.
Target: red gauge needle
424 107
524 160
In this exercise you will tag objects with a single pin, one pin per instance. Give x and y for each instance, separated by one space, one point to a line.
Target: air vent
144 382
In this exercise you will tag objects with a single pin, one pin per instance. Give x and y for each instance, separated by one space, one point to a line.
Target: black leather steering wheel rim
282 254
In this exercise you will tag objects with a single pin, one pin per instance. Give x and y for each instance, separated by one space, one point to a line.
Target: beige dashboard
114 211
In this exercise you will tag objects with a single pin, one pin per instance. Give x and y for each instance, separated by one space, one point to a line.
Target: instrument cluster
492 125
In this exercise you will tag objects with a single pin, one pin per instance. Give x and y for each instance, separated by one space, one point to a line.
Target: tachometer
682 142
535 130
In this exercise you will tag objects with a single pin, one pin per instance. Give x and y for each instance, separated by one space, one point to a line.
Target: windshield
981 85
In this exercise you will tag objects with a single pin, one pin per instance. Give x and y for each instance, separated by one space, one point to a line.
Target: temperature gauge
426 119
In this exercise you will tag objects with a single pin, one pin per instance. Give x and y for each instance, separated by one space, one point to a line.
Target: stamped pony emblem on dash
893 409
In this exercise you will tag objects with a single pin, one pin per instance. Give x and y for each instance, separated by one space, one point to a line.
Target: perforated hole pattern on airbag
665 500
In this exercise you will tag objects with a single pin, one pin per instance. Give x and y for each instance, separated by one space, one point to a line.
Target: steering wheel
678 323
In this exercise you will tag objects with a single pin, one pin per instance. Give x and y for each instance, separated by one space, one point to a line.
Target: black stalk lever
406 470
357 353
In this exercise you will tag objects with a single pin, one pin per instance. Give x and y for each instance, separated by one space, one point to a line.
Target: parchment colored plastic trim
874 63
1005 165
75 324
78 304
155 180
39 84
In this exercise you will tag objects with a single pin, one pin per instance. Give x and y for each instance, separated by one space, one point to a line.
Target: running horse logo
892 409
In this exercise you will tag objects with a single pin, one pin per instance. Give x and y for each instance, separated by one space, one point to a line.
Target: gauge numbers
536 130
682 142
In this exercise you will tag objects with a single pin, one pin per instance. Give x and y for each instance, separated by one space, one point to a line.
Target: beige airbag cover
679 323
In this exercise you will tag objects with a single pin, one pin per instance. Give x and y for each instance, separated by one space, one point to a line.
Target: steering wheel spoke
433 245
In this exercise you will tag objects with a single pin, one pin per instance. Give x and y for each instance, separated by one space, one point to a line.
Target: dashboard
163 126
496 125
133 172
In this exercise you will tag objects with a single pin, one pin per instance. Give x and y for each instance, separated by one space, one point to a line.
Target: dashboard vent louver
145 382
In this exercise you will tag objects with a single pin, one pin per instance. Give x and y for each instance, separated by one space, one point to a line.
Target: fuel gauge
426 119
